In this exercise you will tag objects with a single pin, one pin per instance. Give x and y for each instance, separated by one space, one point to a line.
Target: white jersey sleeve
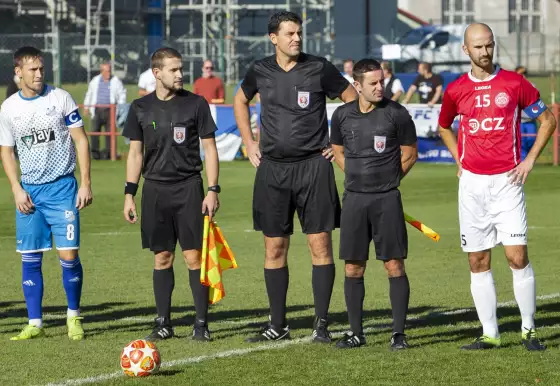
147 81
397 86
6 132
70 110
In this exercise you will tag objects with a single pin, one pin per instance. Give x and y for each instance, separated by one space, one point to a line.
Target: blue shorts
55 216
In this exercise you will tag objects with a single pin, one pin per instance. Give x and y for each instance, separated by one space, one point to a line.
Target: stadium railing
112 128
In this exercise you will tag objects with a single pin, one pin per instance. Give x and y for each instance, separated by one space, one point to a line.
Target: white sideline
502 304
137 232
122 233
62 316
185 361
264 347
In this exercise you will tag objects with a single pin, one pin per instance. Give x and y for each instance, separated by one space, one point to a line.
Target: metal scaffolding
213 31
51 10
100 31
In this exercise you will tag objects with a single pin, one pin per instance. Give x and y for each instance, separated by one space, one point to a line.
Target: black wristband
130 188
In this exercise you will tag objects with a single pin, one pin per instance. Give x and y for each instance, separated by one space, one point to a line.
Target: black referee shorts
307 186
172 212
373 216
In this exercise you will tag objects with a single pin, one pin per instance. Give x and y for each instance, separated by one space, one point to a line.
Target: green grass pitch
118 303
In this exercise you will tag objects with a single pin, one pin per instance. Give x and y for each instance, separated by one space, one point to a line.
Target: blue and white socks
32 284
72 279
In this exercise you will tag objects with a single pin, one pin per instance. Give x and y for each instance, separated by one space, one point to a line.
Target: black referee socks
277 281
354 293
164 282
399 292
322 279
200 296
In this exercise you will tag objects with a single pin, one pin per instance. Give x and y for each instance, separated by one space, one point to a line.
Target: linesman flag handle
422 228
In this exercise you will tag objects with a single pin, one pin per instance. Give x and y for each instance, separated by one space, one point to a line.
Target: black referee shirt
372 143
170 131
293 117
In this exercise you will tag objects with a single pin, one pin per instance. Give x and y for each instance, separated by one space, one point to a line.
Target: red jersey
489 138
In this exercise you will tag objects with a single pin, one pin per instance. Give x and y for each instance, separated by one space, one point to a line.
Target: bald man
491 177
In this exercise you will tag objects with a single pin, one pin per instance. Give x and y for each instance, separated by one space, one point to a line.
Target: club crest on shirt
380 143
502 99
69 215
51 111
179 134
303 99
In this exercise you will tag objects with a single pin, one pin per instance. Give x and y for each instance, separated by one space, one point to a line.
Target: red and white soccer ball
140 358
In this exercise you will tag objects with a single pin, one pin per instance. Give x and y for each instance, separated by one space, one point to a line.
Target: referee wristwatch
215 189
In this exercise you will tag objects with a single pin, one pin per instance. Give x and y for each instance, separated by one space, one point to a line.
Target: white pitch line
203 358
122 233
186 361
502 304
119 233
245 351
62 316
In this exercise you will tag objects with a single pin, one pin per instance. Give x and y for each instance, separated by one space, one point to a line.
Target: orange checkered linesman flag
216 258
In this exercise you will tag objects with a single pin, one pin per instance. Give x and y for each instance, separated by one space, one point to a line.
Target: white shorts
491 211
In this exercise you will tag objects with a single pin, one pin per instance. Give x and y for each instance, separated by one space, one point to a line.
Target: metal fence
68 63
540 53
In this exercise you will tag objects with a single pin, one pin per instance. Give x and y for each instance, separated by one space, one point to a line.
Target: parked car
440 45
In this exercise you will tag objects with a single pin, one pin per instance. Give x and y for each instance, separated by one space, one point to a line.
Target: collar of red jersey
496 70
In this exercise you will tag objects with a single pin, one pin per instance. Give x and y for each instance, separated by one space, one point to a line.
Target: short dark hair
26 52
161 53
363 66
278 18
427 66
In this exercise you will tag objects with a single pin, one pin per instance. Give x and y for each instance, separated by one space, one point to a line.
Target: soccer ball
140 358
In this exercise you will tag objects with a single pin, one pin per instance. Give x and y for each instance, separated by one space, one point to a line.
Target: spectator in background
13 86
103 89
348 66
146 82
209 86
528 125
428 85
392 86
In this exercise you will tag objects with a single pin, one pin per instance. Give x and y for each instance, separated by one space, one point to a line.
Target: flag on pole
216 258
422 228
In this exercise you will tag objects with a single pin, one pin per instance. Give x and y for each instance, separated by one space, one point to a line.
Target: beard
172 86
483 61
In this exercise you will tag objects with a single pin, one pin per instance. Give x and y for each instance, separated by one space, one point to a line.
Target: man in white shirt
146 82
103 89
392 86
348 65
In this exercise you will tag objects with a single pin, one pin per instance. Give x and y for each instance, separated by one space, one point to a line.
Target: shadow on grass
448 322
166 373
